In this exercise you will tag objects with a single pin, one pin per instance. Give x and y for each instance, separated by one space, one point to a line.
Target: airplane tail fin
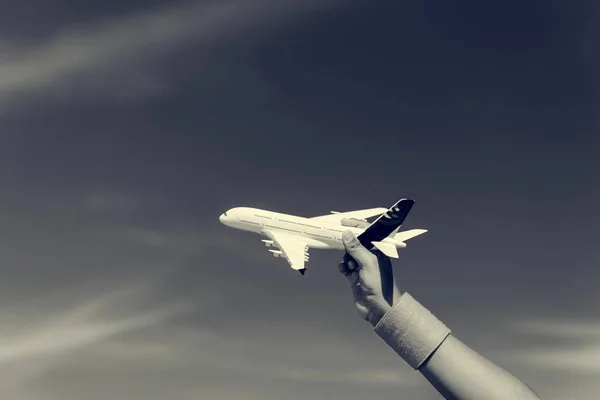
387 224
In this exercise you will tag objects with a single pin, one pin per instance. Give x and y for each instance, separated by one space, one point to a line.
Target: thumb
355 249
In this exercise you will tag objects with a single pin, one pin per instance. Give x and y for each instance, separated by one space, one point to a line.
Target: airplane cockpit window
225 213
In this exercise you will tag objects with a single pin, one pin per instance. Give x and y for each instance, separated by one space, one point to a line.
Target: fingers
357 223
357 251
343 268
350 262
389 290
347 265
349 270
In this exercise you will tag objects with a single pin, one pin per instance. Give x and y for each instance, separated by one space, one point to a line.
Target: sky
128 127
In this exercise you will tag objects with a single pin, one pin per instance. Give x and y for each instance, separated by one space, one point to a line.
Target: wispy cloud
576 347
110 201
106 57
365 376
185 241
578 330
204 350
35 341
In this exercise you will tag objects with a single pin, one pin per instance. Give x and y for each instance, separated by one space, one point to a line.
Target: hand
370 275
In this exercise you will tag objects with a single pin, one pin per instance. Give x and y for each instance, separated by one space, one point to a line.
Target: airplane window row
249 222
321 236
279 227
299 223
262 216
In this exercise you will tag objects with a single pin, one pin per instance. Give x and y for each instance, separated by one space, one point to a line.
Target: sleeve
454 369
411 331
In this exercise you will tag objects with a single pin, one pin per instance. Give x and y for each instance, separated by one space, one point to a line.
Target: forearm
460 373
455 370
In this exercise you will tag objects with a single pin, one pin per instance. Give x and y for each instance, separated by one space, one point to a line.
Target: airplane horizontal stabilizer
387 248
402 236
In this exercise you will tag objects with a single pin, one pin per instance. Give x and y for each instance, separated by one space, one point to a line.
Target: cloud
34 341
352 377
185 241
90 347
576 352
107 57
361 376
107 201
560 329
77 328
267 357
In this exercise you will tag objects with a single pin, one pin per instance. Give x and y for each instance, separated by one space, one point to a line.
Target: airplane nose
221 218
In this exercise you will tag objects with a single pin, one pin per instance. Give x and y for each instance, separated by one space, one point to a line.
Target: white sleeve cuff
411 331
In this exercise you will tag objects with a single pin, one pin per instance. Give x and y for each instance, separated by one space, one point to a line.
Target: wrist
377 311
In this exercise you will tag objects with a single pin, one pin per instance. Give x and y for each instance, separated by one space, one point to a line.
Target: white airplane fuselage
316 234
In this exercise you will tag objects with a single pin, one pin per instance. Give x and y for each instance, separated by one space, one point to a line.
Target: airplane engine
268 243
276 253
397 243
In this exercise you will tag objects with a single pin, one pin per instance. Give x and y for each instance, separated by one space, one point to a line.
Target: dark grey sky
127 127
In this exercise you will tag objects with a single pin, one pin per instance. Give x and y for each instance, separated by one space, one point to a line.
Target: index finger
357 223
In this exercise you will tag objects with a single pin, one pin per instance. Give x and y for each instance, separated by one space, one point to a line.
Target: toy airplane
292 236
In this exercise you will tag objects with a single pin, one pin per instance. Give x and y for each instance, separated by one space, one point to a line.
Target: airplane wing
336 217
292 249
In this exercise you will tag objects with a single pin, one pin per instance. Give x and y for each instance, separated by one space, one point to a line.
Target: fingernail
352 265
347 236
350 240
